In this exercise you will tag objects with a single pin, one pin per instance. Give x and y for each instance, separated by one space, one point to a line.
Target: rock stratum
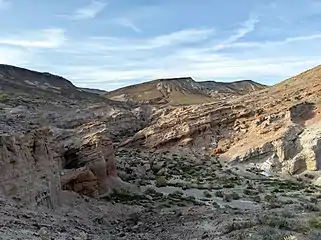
76 165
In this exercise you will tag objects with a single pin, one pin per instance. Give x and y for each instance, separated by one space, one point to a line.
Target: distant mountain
181 91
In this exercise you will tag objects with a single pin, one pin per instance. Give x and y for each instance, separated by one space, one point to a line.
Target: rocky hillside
231 89
182 91
275 127
19 84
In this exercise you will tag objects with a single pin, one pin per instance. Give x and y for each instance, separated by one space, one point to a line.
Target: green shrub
315 223
4 96
161 181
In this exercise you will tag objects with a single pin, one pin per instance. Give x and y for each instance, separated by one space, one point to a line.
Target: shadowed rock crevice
302 112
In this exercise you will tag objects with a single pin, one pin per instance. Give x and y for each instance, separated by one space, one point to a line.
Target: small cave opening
71 160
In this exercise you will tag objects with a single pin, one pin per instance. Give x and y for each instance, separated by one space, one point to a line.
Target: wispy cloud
182 36
274 43
89 11
126 22
114 44
48 38
4 4
247 27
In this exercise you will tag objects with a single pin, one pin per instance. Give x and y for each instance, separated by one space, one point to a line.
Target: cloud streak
47 38
126 22
88 12
246 28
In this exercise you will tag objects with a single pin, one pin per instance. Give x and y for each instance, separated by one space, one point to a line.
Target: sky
108 44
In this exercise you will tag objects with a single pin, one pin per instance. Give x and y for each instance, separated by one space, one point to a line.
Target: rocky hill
182 91
19 84
79 166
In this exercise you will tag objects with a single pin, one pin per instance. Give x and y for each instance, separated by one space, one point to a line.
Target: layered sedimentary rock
89 164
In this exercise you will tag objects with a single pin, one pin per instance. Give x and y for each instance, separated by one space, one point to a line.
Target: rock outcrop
92 156
29 169
35 166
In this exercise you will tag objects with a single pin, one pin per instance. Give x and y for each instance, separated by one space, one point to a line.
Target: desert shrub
287 214
227 197
270 198
207 194
238 225
161 181
219 194
315 222
4 96
250 192
277 222
256 198
235 196
312 207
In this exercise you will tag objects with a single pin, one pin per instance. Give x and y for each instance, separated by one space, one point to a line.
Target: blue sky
108 44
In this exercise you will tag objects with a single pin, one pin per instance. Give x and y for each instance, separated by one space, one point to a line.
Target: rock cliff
29 169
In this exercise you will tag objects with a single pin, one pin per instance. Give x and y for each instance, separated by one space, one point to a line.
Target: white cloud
180 37
4 4
89 11
126 22
48 38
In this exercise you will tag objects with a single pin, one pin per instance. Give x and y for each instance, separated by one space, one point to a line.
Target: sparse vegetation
4 96
315 223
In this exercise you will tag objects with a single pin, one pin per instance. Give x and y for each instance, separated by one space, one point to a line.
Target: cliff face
35 166
29 169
